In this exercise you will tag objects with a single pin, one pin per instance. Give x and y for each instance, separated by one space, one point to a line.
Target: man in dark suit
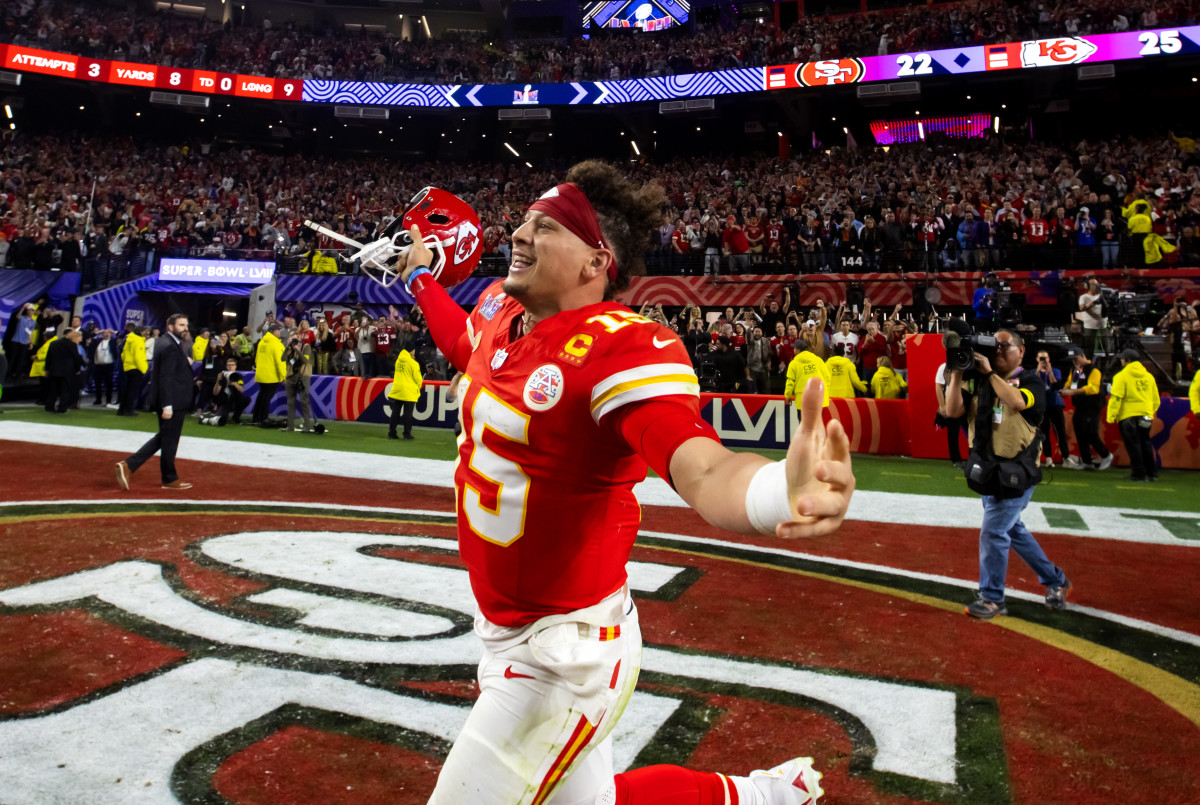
63 363
171 396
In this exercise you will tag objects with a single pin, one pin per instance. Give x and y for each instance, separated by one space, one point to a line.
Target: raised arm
448 323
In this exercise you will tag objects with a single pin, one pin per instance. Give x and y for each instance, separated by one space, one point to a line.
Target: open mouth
520 263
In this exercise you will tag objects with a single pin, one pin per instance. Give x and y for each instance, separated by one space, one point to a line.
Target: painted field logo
824 73
237 652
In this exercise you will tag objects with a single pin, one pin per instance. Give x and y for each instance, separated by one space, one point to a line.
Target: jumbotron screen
890 132
636 15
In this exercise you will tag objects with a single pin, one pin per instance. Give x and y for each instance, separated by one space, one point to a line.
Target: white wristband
767 503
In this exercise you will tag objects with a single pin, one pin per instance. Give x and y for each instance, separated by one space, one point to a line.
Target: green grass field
1178 490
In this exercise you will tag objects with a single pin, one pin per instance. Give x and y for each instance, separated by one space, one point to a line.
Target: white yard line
880 507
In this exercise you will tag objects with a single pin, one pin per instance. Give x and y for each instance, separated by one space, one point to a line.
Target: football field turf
296 628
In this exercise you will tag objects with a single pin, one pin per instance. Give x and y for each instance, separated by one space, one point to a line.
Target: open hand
820 479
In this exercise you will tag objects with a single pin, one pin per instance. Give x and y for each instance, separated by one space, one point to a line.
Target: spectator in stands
736 247
345 361
1133 403
269 372
845 340
365 333
758 360
325 345
871 347
983 304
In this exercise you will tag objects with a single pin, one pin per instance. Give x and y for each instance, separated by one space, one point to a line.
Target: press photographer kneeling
1004 404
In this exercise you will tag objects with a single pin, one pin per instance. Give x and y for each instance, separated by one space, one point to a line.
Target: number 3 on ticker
503 477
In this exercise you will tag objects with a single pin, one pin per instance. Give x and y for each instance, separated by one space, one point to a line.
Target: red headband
567 204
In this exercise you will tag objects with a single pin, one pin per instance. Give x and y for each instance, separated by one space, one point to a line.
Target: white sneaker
1106 462
793 783
1049 462
113 406
1074 462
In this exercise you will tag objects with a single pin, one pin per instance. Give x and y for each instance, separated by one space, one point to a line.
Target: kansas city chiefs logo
834 71
467 240
1049 52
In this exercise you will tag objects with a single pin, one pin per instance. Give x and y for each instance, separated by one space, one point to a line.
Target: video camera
962 343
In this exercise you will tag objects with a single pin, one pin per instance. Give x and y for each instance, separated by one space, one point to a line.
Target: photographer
229 395
1004 404
298 358
1053 381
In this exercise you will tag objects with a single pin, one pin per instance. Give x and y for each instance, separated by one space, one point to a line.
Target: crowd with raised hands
775 347
981 204
286 50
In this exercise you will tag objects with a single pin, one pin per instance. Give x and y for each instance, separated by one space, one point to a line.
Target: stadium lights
780 133
514 151
920 130
636 150
834 119
1003 106
8 111
968 97
845 130
528 165
81 108
996 125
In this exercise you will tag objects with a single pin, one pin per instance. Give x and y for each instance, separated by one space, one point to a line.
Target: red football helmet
450 228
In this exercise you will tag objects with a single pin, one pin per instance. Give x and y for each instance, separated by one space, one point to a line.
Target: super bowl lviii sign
241 272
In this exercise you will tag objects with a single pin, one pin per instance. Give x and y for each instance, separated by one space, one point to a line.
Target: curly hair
628 213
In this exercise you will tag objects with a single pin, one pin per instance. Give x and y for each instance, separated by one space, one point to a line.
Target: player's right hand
418 254
820 478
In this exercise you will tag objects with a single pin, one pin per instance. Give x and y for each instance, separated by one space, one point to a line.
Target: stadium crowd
288 51
973 204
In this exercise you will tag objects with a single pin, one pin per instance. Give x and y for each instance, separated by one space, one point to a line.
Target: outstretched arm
806 495
447 321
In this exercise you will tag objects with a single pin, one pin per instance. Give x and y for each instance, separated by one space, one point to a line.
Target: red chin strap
567 204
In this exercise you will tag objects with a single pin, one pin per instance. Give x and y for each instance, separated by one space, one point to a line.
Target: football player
567 397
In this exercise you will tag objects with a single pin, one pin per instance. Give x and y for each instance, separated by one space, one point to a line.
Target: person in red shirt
775 239
755 235
871 347
680 247
567 398
736 247
1036 231
385 333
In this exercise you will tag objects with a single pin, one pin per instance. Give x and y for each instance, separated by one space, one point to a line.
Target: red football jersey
546 511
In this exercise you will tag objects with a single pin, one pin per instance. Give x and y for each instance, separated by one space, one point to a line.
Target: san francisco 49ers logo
834 71
468 240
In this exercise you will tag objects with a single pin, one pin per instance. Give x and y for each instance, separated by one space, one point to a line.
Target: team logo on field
467 240
544 388
491 306
834 71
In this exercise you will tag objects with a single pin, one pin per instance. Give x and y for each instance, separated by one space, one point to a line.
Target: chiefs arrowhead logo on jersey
544 388
1051 52
824 73
467 240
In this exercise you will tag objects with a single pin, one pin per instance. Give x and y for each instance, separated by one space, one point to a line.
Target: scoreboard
1159 44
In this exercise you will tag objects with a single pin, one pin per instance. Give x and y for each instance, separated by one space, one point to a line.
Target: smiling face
548 261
